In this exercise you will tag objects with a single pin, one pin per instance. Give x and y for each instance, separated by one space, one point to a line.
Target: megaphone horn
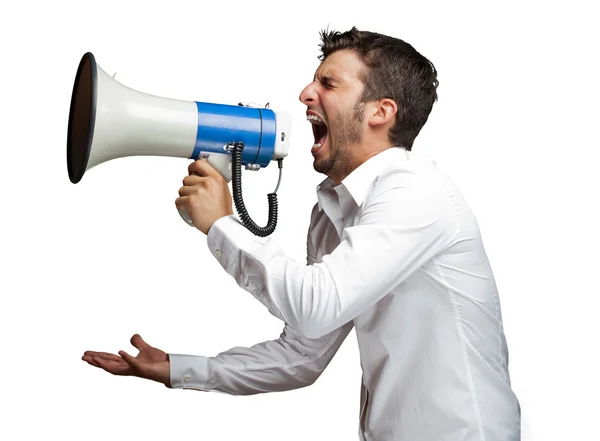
108 120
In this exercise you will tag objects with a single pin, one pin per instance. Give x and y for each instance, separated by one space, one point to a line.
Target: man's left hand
205 195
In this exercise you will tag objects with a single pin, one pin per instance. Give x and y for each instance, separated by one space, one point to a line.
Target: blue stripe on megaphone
220 124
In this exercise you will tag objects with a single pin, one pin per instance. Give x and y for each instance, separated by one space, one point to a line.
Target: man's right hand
151 363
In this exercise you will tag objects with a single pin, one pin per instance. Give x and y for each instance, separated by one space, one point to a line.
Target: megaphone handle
186 217
222 163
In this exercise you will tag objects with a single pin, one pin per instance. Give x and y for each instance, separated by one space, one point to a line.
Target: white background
86 266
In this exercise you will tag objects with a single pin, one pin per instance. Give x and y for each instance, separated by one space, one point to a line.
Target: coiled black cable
236 177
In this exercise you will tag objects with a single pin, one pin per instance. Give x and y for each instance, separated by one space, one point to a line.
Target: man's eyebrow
326 78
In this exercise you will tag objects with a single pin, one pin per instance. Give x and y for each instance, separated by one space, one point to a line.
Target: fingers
132 362
181 203
139 342
103 355
203 168
194 180
188 191
192 184
89 359
115 366
192 168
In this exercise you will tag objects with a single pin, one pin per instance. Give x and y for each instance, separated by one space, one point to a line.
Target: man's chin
322 165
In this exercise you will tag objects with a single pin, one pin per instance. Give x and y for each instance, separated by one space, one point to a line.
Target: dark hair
395 70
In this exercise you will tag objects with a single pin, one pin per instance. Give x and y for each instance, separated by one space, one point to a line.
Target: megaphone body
109 120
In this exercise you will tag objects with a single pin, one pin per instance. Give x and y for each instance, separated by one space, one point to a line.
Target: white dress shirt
394 252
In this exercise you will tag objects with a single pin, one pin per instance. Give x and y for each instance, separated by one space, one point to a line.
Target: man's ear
382 112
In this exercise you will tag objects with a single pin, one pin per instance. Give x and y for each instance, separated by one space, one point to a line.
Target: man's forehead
341 66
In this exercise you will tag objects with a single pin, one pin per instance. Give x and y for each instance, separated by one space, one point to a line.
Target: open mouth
319 131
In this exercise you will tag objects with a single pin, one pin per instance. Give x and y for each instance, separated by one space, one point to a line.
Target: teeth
315 118
316 145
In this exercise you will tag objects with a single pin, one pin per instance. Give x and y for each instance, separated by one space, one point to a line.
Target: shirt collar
357 183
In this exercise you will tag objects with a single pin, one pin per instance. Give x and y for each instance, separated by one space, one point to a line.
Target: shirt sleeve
290 362
402 225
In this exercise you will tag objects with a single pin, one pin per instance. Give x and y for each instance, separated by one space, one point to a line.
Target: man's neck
363 152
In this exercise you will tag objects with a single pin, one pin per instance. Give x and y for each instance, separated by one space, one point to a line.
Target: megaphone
108 120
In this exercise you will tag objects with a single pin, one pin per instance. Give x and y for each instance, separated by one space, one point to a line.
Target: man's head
370 92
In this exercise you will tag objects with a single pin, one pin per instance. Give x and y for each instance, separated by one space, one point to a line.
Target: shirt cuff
189 372
226 237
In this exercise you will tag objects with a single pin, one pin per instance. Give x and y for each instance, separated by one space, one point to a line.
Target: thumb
139 342
132 361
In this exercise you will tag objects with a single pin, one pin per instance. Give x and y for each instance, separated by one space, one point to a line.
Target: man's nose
308 94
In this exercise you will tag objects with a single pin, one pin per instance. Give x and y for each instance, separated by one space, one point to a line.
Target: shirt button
218 253
186 378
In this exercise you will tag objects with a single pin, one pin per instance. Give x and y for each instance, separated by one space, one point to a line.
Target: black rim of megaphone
76 175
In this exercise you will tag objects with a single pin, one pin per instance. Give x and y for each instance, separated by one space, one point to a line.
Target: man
393 251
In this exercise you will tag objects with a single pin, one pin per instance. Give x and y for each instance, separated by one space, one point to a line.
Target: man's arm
290 362
401 227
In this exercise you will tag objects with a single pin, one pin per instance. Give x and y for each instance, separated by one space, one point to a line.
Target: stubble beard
347 130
